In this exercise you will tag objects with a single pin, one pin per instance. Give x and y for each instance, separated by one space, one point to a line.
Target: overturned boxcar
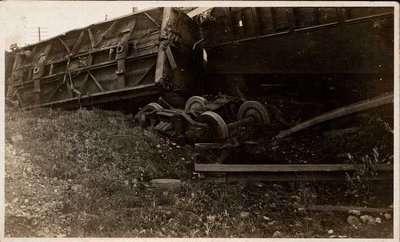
347 52
265 54
132 60
128 60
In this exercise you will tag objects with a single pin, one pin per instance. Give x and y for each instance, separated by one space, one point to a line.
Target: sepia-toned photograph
208 120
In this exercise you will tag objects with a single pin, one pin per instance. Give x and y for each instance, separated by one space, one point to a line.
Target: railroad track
225 173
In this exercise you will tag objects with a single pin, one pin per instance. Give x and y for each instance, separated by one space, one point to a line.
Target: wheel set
143 117
203 123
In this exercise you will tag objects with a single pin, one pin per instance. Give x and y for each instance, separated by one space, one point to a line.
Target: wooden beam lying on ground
349 109
330 208
270 168
227 173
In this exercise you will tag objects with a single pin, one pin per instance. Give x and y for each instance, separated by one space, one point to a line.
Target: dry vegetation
86 173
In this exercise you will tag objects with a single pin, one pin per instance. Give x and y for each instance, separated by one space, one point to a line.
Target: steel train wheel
144 119
255 110
195 103
218 133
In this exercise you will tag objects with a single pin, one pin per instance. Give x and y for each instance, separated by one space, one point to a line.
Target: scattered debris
387 216
354 212
167 184
367 219
353 221
277 234
244 214
16 138
259 184
266 218
296 199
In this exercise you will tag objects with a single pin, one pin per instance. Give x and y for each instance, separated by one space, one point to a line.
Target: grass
108 162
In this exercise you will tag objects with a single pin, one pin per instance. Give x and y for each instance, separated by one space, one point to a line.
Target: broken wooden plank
349 109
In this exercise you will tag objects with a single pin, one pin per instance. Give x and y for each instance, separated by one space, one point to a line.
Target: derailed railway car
347 52
258 51
330 58
231 56
126 61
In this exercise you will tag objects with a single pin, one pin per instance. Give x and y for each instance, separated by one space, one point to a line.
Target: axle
240 123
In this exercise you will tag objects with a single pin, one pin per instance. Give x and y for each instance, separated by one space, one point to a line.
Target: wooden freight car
126 61
343 51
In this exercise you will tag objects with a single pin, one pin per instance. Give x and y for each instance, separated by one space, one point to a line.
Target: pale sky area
22 19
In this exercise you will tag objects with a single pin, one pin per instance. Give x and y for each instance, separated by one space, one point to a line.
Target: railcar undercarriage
226 125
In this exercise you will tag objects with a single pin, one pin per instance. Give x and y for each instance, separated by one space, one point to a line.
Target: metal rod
349 109
239 123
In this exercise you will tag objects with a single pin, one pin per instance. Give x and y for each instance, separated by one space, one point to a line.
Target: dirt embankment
87 173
